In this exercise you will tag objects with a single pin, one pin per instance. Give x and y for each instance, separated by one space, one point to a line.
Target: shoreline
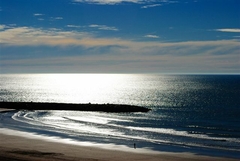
17 141
23 148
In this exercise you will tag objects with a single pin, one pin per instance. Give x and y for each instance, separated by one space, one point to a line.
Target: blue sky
119 36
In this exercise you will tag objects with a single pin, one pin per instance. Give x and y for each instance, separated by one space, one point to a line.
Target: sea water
189 113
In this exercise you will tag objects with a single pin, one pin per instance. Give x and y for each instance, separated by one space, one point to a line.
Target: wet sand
21 148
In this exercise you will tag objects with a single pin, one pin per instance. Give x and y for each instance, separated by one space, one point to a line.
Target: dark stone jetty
117 108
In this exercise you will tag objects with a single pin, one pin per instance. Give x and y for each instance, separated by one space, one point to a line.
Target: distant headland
116 108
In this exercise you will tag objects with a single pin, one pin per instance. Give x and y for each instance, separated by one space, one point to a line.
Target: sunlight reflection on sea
81 88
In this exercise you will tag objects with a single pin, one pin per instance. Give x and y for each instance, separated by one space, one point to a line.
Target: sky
120 36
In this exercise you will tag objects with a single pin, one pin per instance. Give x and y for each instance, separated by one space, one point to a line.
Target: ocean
189 113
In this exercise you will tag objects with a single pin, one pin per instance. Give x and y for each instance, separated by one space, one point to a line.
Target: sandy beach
21 148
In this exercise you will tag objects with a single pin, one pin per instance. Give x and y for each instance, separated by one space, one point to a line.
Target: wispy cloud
103 27
152 36
151 5
108 1
111 2
74 26
56 18
38 14
36 36
19 36
2 27
228 30
116 53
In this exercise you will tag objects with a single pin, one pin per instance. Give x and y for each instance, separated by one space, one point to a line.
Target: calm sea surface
190 113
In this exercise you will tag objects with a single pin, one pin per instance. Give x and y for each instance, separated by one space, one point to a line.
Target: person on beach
134 145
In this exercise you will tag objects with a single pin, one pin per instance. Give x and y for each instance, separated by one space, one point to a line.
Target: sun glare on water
135 89
82 88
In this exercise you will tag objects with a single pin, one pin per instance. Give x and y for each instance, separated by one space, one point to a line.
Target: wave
164 131
98 125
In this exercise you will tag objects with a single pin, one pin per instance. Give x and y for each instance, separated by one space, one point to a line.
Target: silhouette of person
134 146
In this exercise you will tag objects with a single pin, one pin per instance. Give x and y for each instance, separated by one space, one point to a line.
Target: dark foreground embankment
72 107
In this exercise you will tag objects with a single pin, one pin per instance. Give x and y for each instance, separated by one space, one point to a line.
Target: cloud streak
152 36
103 27
229 30
103 54
107 1
152 5
123 62
2 27
74 26
20 36
111 2
38 14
